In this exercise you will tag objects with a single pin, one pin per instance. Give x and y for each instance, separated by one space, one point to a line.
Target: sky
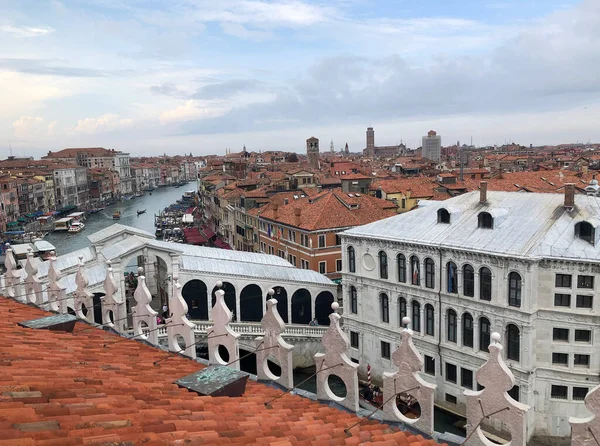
195 76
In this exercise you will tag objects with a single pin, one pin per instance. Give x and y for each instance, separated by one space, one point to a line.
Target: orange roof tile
68 389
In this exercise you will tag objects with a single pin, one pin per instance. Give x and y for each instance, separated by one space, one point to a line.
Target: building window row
579 360
563 335
562 392
581 300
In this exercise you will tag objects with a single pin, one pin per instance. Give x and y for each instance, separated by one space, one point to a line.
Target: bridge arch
323 307
281 296
194 293
301 307
251 304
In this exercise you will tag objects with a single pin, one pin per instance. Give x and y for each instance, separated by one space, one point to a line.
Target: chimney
297 213
275 208
483 192
569 195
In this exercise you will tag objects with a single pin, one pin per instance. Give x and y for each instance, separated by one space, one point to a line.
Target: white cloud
104 123
239 30
25 31
189 111
33 127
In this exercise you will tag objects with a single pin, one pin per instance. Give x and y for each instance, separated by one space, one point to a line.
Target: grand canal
153 204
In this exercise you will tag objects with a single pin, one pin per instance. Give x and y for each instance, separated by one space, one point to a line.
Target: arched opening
485 220
282 302
468 280
429 320
194 293
383 265
585 231
96 299
513 342
351 259
384 307
251 304
401 261
443 216
452 277
415 272
451 326
467 330
323 307
353 300
429 273
485 284
416 316
248 360
402 311
484 334
301 307
514 289
229 290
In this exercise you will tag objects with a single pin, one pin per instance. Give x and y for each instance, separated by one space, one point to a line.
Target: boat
117 215
138 194
76 227
141 212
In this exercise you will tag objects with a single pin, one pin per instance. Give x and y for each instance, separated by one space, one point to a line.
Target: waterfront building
524 265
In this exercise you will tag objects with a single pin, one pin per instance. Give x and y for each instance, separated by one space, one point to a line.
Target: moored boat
76 227
141 212
117 215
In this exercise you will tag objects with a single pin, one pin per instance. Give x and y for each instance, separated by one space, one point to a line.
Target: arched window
429 320
401 268
401 310
416 316
351 259
513 342
443 216
429 273
467 330
452 277
585 231
485 220
514 289
484 334
468 281
385 308
451 326
353 300
485 284
383 265
415 272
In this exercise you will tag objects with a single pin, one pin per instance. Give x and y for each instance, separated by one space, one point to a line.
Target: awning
14 233
22 219
12 223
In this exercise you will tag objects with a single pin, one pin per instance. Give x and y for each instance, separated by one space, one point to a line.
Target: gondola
141 212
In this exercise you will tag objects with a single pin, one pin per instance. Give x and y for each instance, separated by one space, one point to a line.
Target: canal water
153 204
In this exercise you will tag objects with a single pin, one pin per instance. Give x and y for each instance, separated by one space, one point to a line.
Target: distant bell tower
370 140
331 147
312 152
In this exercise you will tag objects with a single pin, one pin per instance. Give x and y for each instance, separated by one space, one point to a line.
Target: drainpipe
440 311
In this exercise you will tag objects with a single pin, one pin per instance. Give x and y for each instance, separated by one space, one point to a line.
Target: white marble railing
254 328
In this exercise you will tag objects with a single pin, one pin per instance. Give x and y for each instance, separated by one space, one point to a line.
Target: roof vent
60 322
358 195
351 195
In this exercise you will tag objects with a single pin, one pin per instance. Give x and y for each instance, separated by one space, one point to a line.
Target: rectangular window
560 358
429 365
450 372
579 393
338 265
338 240
581 360
584 301
466 378
562 300
583 335
304 264
385 350
450 399
559 392
585 282
353 339
322 241
322 267
560 334
562 281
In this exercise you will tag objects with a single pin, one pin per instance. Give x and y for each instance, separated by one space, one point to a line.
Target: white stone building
523 264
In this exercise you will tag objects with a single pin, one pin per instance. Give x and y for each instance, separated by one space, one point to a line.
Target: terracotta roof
62 389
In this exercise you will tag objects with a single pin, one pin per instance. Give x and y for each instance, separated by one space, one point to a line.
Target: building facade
523 265
432 146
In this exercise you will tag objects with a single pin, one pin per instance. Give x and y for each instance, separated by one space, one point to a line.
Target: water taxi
76 227
117 215
63 224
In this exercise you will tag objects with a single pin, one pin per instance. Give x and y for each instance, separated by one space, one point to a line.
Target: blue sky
200 76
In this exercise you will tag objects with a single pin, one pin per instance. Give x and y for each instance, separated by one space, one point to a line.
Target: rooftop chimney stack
569 195
297 213
275 209
483 192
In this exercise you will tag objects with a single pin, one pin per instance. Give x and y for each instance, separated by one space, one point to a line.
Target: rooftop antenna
460 152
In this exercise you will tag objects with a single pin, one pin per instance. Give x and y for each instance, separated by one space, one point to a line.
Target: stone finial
142 313
407 384
57 296
274 346
82 296
493 404
112 304
12 278
336 361
33 285
178 325
586 431
221 334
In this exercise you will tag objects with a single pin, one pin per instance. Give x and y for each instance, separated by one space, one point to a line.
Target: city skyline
198 77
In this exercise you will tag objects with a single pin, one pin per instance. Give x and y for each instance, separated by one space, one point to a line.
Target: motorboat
117 215
141 212
76 227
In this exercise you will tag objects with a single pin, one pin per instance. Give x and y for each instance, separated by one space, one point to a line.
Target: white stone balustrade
178 325
272 345
407 384
335 361
57 296
144 317
493 404
33 285
114 309
82 297
221 334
